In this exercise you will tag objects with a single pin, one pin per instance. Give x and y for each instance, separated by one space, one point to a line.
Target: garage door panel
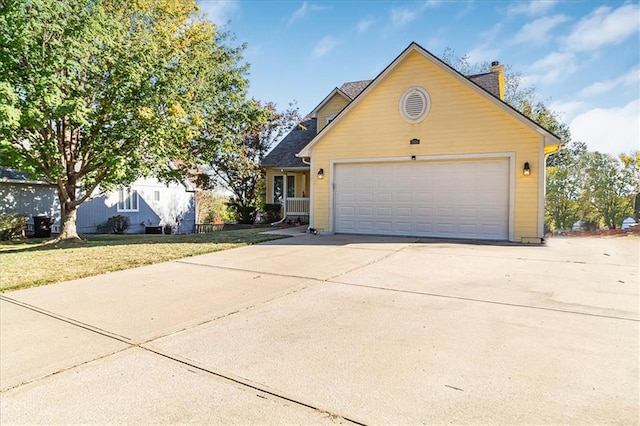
464 199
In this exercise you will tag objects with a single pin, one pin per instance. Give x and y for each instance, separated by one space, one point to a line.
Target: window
156 196
291 186
128 200
278 189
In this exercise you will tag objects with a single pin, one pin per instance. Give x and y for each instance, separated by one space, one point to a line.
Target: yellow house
421 150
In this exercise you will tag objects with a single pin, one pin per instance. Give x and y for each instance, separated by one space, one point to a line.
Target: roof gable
284 154
473 82
327 99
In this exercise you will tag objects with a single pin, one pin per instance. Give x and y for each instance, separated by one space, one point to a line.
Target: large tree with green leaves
238 167
96 93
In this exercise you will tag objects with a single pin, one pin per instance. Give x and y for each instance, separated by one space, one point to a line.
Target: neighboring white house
147 202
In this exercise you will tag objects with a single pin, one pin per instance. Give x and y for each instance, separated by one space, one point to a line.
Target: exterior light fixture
414 141
321 173
527 169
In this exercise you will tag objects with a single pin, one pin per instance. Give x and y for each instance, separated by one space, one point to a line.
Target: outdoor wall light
414 141
321 174
527 169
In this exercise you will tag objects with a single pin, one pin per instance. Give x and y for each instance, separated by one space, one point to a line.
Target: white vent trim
414 105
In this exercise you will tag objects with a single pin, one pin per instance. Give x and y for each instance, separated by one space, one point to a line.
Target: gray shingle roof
11 174
353 88
488 81
284 154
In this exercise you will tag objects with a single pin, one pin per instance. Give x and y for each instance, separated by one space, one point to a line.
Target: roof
353 88
10 174
488 81
17 176
551 140
284 154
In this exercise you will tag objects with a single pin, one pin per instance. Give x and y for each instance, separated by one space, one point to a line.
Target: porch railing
297 206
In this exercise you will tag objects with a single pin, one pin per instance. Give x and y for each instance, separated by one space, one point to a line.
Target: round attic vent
414 105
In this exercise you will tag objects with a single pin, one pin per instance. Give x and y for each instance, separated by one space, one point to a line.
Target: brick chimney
499 69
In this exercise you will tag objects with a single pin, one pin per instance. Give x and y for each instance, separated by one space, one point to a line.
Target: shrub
118 224
244 214
12 226
271 213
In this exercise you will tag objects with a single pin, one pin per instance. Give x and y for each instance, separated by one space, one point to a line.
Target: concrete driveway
336 330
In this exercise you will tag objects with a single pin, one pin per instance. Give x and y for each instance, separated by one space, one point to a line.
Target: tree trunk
68 230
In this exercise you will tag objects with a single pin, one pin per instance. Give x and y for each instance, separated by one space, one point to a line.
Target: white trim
511 156
542 187
129 193
312 182
426 107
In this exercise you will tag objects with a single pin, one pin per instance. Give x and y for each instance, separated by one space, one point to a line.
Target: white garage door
452 199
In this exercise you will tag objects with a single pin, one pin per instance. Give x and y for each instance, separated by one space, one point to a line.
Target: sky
582 57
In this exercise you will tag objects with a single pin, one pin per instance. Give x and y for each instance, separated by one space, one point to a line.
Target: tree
610 185
96 93
238 167
564 187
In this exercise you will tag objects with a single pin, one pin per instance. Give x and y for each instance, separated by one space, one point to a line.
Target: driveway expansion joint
492 302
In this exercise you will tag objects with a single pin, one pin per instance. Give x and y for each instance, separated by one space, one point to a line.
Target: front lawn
32 262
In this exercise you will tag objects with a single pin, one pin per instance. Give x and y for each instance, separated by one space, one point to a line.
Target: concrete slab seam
247 383
71 321
493 302
373 262
62 370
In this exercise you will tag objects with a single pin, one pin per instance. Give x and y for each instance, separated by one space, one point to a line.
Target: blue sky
583 57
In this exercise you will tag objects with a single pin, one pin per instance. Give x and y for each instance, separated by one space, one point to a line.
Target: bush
118 224
271 213
244 214
12 226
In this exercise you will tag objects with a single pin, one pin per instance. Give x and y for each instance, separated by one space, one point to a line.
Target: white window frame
156 196
273 189
128 200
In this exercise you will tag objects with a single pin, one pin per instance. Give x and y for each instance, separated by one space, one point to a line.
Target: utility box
42 226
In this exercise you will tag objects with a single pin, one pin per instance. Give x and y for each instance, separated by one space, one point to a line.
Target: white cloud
538 31
631 78
613 130
324 46
364 24
486 50
402 16
482 54
567 110
303 11
432 3
532 8
604 27
550 68
218 11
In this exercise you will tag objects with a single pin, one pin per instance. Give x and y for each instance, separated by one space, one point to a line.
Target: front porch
290 189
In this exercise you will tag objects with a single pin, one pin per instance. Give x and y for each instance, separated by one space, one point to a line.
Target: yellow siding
460 121
333 106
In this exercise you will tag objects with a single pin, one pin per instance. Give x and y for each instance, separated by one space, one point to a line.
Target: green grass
35 262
